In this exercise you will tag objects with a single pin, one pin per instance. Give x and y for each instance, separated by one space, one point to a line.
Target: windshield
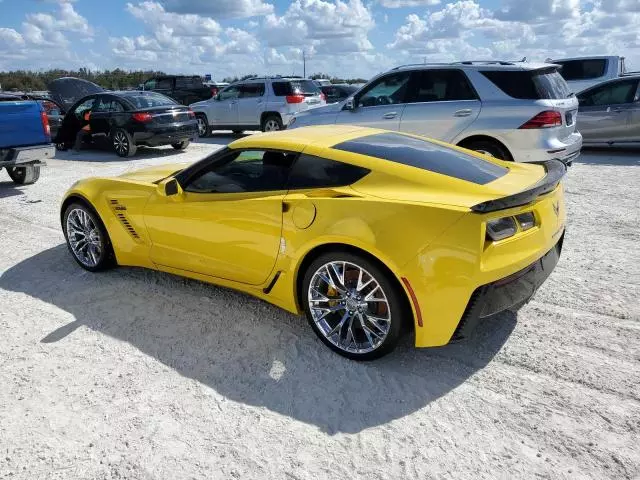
148 99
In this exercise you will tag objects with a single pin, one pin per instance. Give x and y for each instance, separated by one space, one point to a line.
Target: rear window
295 87
545 84
425 155
583 69
147 99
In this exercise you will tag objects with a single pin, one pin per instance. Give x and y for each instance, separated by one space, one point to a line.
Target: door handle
390 115
463 113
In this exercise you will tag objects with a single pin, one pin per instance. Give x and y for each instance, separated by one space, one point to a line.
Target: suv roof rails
419 65
465 62
269 77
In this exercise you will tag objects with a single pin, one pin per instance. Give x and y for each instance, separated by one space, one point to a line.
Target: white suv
510 110
266 103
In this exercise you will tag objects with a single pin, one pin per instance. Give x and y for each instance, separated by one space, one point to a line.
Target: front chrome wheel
349 307
202 126
85 238
271 125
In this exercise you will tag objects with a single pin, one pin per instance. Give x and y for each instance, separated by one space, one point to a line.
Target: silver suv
266 103
510 110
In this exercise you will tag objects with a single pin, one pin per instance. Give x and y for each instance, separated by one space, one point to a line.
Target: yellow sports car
370 233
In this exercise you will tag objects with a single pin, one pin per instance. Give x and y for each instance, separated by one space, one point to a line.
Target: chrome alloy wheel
271 125
202 127
120 143
84 237
349 307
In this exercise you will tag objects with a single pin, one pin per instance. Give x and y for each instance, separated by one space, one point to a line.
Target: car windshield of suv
148 99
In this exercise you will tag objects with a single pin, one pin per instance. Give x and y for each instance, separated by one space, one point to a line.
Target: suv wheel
490 148
203 125
271 123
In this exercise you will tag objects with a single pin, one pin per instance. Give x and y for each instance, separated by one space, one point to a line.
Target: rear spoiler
555 170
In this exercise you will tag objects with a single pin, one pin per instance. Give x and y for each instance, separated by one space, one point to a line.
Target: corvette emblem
556 208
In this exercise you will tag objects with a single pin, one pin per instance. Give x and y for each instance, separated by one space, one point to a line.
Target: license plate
571 118
312 101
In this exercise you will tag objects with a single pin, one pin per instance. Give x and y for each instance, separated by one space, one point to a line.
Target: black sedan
127 118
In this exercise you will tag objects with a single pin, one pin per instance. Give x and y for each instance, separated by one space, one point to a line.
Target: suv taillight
191 113
45 124
546 119
214 91
295 98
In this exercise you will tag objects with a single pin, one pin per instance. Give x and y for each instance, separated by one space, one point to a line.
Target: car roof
477 65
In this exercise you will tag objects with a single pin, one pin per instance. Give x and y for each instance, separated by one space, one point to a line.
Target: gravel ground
142 375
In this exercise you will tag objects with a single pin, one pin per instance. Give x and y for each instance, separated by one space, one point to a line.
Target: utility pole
304 65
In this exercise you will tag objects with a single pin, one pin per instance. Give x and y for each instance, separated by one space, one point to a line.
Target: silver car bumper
22 155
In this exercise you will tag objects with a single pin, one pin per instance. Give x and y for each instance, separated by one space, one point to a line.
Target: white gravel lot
142 375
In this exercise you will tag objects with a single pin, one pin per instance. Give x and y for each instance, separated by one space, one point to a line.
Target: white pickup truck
585 72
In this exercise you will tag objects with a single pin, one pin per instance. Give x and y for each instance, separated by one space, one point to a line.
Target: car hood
66 91
155 173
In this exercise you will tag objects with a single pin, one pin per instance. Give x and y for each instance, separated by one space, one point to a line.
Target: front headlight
501 228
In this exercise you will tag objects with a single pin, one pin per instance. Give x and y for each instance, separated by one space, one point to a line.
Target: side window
230 93
252 90
388 90
281 89
611 94
83 107
332 93
164 84
103 104
116 107
439 86
150 84
316 172
583 69
244 171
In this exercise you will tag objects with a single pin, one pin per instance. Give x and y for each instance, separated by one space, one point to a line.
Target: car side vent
118 210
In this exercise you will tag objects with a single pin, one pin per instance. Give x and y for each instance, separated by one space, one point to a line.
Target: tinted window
439 85
388 90
316 172
106 104
530 85
583 69
147 99
150 84
230 92
250 90
295 87
611 94
83 107
188 82
422 154
244 171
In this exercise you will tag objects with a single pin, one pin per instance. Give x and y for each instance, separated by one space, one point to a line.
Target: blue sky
341 37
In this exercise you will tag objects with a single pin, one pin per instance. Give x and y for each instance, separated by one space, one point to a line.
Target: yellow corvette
370 233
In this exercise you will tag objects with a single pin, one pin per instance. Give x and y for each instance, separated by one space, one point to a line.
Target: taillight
295 98
214 91
546 119
45 124
323 97
191 114
142 117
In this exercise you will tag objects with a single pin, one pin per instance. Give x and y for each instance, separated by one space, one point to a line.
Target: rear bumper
166 134
541 145
507 293
23 155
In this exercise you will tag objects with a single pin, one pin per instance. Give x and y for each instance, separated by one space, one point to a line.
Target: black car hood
68 90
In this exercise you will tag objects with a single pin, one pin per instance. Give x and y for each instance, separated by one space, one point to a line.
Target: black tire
271 123
122 143
395 307
24 175
63 146
203 125
181 145
238 132
106 258
490 148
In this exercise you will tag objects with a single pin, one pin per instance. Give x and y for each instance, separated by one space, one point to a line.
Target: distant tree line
27 81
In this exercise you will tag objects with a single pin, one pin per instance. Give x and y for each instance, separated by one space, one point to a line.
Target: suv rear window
295 87
425 155
545 84
583 69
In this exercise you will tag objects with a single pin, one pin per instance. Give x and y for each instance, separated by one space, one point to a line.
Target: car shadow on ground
612 156
247 350
9 189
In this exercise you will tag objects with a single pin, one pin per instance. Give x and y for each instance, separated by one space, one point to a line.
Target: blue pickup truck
25 139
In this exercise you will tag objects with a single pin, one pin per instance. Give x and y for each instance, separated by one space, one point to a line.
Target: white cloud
154 15
408 3
219 8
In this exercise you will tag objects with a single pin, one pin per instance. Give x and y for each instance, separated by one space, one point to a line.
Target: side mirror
349 104
169 188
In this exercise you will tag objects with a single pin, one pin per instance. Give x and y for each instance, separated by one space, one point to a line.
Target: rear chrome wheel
87 238
353 307
123 143
203 127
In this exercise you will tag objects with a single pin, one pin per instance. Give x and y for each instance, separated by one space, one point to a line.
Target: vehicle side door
380 104
227 222
224 110
251 103
74 120
103 114
605 111
441 104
